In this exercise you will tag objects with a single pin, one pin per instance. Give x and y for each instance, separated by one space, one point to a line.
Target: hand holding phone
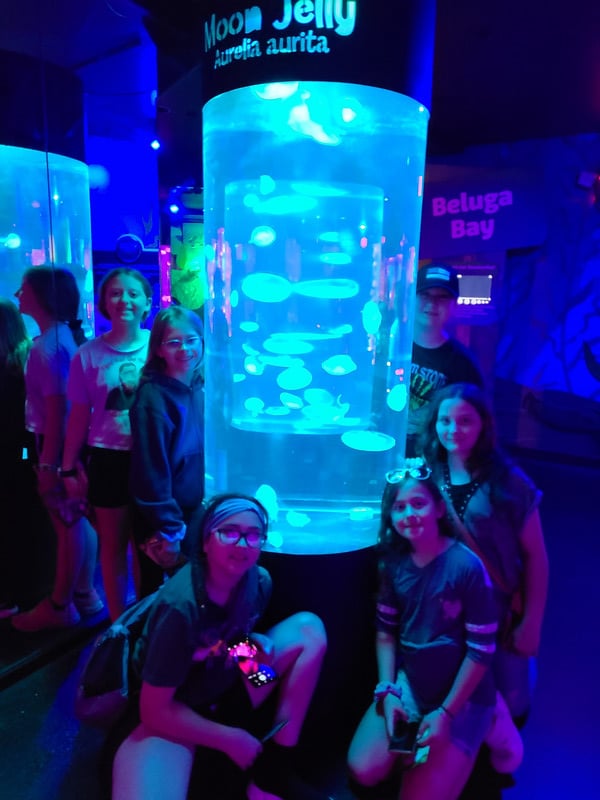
404 738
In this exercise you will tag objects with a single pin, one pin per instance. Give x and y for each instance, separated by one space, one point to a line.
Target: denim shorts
470 727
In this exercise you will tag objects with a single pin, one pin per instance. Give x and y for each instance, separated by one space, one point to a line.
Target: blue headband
226 509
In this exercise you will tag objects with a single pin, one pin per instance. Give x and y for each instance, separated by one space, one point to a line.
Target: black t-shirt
433 368
177 627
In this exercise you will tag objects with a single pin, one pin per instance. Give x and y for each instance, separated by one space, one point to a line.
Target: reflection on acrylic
311 233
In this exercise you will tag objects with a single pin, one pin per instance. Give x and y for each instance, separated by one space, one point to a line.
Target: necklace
460 493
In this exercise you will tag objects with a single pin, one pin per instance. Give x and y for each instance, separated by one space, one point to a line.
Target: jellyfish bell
397 398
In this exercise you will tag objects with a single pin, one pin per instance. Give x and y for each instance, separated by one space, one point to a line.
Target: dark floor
46 755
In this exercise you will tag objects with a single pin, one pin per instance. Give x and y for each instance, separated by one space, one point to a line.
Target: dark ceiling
504 69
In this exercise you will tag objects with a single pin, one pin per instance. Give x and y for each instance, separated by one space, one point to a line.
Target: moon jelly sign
369 42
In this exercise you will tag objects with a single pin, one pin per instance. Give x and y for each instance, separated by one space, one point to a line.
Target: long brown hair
14 342
169 318
56 291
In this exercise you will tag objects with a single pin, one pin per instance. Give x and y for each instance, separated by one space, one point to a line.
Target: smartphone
404 738
258 674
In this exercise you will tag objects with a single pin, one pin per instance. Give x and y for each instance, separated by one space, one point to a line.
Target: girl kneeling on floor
204 669
436 629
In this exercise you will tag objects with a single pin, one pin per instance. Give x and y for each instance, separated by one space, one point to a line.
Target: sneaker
45 616
88 603
8 609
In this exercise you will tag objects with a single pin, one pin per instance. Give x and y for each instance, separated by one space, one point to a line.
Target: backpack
108 683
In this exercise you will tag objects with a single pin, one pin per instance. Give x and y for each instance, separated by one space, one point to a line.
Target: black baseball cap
438 276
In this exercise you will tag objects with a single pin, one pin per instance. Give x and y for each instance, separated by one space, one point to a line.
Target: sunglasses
420 473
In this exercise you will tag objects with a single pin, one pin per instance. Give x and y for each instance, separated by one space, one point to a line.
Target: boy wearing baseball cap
437 358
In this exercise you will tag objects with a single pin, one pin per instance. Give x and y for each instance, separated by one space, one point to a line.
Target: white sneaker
504 739
88 603
45 616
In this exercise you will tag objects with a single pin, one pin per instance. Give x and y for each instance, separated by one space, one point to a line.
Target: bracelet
384 688
67 473
47 468
445 710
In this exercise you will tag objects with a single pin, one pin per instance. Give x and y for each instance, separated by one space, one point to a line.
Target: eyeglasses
177 344
419 473
253 537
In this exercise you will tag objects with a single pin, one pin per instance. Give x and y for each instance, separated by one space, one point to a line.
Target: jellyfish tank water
45 219
312 210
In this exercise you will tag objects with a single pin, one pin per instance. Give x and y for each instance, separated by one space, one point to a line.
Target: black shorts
108 477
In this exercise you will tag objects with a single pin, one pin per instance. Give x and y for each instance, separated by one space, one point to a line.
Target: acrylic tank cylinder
45 219
312 232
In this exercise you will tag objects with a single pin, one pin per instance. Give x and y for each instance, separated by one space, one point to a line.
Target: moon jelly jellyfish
277 91
285 204
339 365
262 236
294 378
328 289
371 317
336 259
368 441
291 400
397 398
287 346
266 184
297 519
249 327
253 365
267 495
254 405
266 287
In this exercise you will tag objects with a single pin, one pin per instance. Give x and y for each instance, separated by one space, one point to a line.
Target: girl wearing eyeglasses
204 670
436 629
495 510
167 457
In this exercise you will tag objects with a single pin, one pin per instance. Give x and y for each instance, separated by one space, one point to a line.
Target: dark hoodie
167 454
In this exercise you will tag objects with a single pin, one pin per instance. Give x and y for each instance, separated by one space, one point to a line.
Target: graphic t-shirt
432 369
106 379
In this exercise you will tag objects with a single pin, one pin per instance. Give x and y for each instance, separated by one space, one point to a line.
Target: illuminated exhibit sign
468 210
284 40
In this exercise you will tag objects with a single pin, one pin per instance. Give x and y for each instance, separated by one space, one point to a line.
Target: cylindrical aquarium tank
44 183
45 219
313 189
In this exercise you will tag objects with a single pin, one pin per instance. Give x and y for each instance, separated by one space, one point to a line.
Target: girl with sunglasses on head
495 510
167 459
436 629
204 669
102 383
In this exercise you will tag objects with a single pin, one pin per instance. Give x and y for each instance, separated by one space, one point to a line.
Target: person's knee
311 632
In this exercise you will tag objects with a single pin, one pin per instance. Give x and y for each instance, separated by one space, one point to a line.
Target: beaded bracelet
47 468
384 688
